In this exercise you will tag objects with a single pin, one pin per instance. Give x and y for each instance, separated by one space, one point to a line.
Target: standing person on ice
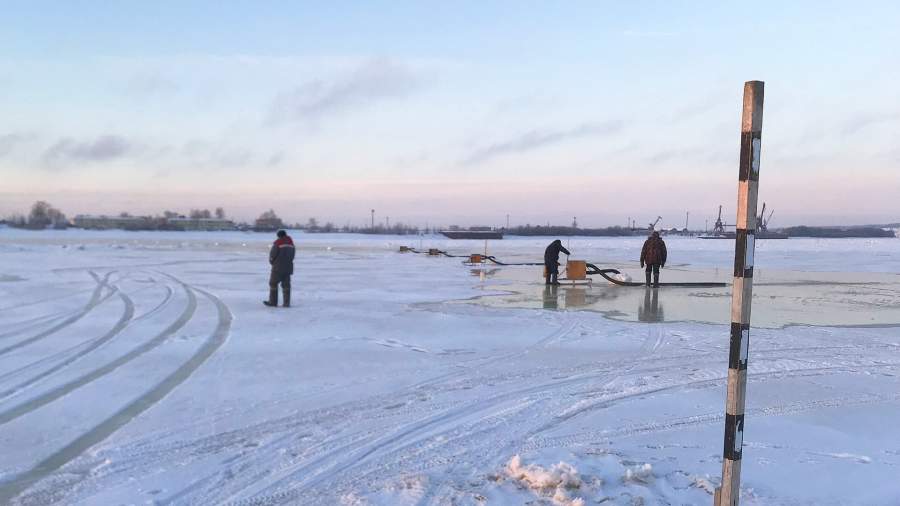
551 261
653 254
281 258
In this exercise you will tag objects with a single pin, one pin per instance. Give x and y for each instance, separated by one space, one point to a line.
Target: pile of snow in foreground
556 482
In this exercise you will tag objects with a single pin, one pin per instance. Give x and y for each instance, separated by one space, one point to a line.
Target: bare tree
43 215
220 213
17 220
268 221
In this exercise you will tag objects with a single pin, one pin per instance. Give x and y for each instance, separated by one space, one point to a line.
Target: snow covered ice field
142 368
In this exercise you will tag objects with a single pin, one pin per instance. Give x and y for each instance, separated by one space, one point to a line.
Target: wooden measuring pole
742 293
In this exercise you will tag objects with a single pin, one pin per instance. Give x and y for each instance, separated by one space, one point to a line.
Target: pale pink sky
595 110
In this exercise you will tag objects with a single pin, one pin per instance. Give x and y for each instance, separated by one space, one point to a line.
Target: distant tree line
313 226
529 230
41 216
837 232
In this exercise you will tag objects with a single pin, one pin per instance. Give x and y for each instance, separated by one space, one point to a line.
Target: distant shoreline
861 232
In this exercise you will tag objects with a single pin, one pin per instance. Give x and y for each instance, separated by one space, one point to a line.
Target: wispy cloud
371 82
223 155
525 103
150 84
689 155
673 154
11 141
196 154
863 121
536 139
100 149
695 109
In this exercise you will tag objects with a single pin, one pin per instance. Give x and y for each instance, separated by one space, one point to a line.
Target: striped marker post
742 293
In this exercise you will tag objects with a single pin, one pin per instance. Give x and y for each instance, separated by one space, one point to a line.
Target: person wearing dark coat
653 254
551 261
281 258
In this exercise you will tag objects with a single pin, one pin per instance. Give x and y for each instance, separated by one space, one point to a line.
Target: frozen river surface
142 368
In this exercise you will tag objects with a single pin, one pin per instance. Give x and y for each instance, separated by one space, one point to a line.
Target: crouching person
281 258
551 261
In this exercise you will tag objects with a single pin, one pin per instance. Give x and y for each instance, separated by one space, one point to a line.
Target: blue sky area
449 112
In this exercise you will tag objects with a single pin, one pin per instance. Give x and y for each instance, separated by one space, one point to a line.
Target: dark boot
656 278
647 272
287 297
273 298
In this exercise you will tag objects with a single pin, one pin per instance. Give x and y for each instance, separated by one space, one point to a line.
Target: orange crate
576 270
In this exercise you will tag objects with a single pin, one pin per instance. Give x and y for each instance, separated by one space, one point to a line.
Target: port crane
762 222
653 225
719 227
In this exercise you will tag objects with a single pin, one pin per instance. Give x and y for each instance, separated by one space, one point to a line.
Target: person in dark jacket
653 254
551 261
281 258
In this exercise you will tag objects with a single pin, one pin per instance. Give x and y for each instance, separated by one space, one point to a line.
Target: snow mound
862 459
625 278
704 484
638 474
555 481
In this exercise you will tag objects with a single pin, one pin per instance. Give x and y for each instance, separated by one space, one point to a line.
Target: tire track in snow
446 491
467 366
461 411
31 323
217 261
60 391
12 488
356 440
480 422
50 299
120 325
706 382
96 299
346 457
240 469
374 407
160 306
708 418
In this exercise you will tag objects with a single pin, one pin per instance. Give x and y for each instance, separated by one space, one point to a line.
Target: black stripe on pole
747 155
741 269
737 358
734 436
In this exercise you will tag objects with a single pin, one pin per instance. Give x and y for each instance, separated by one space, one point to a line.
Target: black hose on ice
498 262
435 252
593 269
